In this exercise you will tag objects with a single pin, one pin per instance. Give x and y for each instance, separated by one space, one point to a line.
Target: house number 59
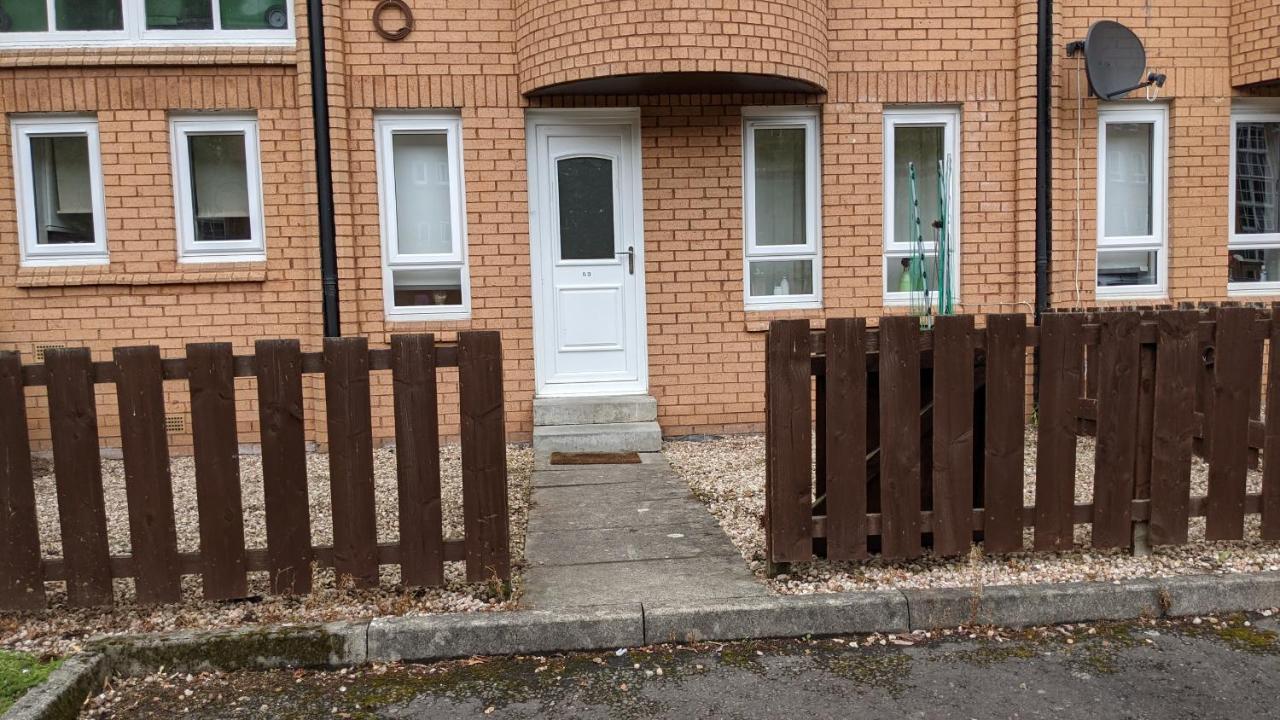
586 273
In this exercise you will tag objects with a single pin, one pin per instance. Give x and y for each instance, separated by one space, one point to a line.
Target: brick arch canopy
680 83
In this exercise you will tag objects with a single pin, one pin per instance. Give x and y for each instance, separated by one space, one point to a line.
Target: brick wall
1255 41
479 56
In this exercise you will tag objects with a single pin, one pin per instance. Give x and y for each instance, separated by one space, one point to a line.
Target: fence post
788 443
284 466
484 459
347 407
413 372
21 576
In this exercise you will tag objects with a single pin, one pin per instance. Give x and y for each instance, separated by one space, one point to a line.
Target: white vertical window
59 191
1132 162
921 223
424 255
1253 257
782 264
218 188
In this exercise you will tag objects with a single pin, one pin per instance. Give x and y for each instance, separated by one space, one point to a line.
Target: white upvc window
58 173
1253 247
217 186
52 23
916 264
1133 154
423 218
782 265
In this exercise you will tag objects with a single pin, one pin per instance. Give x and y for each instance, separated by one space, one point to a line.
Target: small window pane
1127 268
780 187
781 278
220 187
1246 266
585 188
1128 180
920 147
1257 171
424 223
254 15
427 287
88 14
912 273
180 14
23 16
63 190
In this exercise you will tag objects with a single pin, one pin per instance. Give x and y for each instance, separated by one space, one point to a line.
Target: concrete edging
441 637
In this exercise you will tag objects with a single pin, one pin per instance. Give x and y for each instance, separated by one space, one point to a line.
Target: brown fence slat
73 426
846 443
148 484
1177 364
284 465
1271 470
1116 430
1005 427
788 421
484 459
211 368
952 434
413 371
1061 370
350 424
900 467
1237 373
21 586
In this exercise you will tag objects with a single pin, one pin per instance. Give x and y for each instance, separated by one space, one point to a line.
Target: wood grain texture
350 423
953 418
1005 428
788 481
284 465
417 421
1117 430
1237 374
1177 364
148 484
846 445
21 575
1061 378
900 468
484 456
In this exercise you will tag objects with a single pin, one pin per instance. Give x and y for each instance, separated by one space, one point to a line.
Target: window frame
1248 113
771 118
182 127
925 116
134 32
1158 241
386 126
33 254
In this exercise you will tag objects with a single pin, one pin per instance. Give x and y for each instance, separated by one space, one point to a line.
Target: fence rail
223 561
920 433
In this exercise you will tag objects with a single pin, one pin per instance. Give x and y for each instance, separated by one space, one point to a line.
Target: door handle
630 252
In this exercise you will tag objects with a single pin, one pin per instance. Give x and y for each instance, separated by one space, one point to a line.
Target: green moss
300 646
20 672
872 668
1244 637
990 653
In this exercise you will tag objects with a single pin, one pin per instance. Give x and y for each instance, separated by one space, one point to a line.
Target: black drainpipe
324 170
1044 169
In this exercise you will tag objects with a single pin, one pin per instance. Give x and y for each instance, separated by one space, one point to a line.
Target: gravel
61 629
727 474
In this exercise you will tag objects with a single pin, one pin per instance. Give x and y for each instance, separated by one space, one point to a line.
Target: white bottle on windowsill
783 288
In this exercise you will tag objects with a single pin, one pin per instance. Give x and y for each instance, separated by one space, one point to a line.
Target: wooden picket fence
210 369
920 433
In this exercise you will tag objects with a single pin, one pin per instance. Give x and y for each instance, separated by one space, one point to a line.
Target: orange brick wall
1255 41
478 56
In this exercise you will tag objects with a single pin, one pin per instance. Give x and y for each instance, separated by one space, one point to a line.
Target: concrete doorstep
441 637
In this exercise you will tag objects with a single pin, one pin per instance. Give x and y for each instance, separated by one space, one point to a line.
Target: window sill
103 275
137 54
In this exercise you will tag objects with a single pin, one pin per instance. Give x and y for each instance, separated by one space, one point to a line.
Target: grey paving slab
680 580
649 542
610 534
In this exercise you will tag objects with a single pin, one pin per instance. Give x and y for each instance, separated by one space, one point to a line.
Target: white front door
587 253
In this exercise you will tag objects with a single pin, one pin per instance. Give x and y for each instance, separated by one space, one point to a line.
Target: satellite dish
1114 60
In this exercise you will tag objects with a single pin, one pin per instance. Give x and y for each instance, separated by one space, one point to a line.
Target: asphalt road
1150 670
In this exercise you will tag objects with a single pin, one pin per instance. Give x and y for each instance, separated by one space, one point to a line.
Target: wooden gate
210 369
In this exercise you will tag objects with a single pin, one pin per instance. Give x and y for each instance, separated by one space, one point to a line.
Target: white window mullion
782 263
422 217
937 129
1132 194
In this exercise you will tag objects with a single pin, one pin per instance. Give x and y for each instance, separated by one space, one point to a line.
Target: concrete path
608 534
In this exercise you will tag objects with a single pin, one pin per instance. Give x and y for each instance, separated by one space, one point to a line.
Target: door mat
605 458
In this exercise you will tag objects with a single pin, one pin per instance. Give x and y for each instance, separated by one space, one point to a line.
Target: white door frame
543 310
